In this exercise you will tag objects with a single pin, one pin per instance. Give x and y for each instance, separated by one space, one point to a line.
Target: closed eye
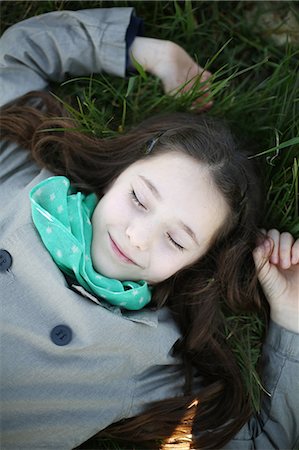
136 200
141 206
174 243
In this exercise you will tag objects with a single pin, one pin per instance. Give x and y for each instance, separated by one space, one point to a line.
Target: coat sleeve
277 426
46 48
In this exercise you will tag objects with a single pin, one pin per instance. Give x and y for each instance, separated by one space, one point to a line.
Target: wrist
150 53
289 323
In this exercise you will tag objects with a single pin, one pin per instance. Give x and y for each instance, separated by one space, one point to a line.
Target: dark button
5 260
61 335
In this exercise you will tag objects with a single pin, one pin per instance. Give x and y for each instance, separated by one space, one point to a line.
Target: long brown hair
223 278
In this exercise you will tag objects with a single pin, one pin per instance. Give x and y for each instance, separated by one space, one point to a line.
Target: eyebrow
156 193
151 187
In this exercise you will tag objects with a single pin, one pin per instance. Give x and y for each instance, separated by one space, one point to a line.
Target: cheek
163 265
112 208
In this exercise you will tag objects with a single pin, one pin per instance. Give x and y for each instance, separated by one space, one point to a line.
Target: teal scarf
63 219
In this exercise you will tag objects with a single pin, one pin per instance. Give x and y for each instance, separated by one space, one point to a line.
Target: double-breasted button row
5 260
61 334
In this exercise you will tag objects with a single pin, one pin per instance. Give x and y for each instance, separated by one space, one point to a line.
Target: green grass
255 88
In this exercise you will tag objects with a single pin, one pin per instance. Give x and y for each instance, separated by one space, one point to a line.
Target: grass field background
252 49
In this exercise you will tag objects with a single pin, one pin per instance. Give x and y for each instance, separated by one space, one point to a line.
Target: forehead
174 171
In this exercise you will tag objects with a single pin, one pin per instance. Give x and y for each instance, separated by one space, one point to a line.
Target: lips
119 252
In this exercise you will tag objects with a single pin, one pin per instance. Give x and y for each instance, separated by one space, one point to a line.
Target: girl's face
160 215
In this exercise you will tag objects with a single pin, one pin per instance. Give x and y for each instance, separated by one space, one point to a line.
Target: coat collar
145 316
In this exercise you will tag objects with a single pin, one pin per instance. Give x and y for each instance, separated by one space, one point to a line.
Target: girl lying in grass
117 256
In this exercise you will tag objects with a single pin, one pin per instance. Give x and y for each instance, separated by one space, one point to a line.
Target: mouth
120 254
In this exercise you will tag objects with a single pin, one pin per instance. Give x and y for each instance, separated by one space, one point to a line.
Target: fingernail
267 245
295 259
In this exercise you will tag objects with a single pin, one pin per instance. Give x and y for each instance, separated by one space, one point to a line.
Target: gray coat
108 364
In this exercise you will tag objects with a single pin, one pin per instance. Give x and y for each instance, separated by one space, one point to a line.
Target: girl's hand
172 64
277 260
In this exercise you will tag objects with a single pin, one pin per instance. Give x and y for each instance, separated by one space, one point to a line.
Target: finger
275 236
206 83
285 247
198 72
261 255
295 252
206 75
262 235
204 101
199 106
198 80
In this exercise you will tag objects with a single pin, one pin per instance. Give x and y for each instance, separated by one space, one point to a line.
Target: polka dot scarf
62 217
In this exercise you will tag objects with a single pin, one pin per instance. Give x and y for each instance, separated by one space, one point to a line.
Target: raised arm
277 426
48 47
83 42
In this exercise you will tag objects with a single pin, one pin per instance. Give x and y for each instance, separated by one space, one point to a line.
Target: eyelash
173 242
141 206
136 200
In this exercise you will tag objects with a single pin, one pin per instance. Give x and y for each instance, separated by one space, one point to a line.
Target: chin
111 272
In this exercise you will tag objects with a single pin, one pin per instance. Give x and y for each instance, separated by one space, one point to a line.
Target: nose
140 235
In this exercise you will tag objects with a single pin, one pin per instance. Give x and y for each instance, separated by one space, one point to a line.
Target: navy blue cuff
135 28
